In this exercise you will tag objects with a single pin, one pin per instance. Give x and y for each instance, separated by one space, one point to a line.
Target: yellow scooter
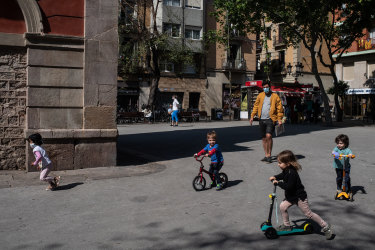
344 195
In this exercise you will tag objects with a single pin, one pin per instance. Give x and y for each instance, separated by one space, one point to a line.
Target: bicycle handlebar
199 159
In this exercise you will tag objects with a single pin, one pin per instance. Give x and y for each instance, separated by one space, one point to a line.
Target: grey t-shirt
266 108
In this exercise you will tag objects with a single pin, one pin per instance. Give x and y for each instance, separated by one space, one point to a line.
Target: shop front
290 95
231 100
359 103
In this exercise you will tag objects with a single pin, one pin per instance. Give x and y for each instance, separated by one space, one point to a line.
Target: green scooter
271 233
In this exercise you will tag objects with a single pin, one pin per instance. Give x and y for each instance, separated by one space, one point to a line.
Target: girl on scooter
295 193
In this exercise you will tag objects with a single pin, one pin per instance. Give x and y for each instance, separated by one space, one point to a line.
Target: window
172 30
166 67
190 69
193 33
172 3
194 4
282 59
268 32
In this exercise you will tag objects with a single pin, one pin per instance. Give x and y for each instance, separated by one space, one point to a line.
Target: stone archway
32 15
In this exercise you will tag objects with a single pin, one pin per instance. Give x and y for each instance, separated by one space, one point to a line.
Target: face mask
266 90
32 145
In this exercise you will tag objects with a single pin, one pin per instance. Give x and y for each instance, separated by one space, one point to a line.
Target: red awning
289 91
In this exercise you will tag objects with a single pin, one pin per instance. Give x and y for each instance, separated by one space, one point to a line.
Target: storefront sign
366 91
253 83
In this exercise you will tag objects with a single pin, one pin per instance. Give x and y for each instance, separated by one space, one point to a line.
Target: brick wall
13 107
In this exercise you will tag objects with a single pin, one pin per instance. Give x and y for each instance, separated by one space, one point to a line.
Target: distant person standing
175 110
269 109
170 111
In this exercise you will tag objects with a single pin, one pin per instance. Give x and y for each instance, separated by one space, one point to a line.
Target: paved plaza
148 202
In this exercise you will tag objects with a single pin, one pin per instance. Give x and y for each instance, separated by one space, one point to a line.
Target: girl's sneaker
327 230
284 228
219 187
57 180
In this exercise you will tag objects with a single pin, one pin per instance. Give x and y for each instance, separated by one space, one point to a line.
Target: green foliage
339 89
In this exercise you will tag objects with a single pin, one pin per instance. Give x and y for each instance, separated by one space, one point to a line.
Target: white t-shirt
44 160
175 104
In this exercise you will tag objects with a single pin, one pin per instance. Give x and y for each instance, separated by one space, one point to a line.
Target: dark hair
36 138
266 82
287 157
343 138
211 134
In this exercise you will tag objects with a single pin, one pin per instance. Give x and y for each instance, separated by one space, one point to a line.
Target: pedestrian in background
42 161
175 110
269 109
170 110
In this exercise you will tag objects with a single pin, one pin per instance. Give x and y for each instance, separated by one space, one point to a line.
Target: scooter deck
294 230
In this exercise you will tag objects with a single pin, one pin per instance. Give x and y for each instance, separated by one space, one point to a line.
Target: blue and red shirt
214 152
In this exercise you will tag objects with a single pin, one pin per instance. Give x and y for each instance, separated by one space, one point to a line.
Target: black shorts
266 127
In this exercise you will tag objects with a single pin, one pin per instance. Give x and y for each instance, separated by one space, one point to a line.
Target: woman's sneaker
284 228
327 230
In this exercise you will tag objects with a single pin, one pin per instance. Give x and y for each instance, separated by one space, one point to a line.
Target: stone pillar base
76 149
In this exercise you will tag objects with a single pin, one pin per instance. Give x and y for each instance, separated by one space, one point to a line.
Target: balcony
278 42
231 64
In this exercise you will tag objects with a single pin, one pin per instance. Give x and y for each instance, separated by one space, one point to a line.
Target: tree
338 90
317 24
143 45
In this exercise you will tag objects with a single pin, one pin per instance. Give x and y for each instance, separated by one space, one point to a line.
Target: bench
188 116
194 116
203 115
128 117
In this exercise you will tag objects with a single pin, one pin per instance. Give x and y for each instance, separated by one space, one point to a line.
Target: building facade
214 78
58 77
357 68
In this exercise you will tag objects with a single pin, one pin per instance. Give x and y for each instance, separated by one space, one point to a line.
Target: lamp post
299 69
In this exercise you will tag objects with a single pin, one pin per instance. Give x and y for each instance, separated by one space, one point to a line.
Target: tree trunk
153 87
339 112
327 111
155 76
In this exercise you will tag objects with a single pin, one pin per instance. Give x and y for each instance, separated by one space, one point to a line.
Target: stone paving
147 201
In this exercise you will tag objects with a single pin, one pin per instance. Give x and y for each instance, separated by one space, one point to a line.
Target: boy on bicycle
217 161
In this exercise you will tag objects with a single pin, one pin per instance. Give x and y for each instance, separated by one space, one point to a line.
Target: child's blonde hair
211 134
287 157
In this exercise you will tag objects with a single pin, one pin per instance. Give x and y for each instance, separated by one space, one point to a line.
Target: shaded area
233 183
67 186
138 149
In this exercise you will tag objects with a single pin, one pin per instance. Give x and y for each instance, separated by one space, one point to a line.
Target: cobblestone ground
162 211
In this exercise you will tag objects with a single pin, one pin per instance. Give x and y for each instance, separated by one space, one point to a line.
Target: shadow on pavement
184 143
355 189
233 183
68 186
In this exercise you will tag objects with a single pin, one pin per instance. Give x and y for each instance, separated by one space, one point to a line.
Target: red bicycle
199 182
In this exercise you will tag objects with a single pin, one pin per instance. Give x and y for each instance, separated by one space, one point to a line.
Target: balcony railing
231 64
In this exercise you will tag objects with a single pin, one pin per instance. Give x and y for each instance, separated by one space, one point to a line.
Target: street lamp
299 69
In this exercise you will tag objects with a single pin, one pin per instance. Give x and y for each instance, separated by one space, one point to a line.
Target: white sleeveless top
44 160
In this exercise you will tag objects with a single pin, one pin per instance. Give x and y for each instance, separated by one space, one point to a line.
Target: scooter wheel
351 197
307 227
270 233
336 196
264 223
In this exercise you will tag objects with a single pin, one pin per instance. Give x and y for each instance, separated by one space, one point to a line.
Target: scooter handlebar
338 156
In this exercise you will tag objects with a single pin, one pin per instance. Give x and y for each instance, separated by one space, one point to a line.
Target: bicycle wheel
224 179
199 183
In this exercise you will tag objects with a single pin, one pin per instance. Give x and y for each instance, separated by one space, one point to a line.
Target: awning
289 91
